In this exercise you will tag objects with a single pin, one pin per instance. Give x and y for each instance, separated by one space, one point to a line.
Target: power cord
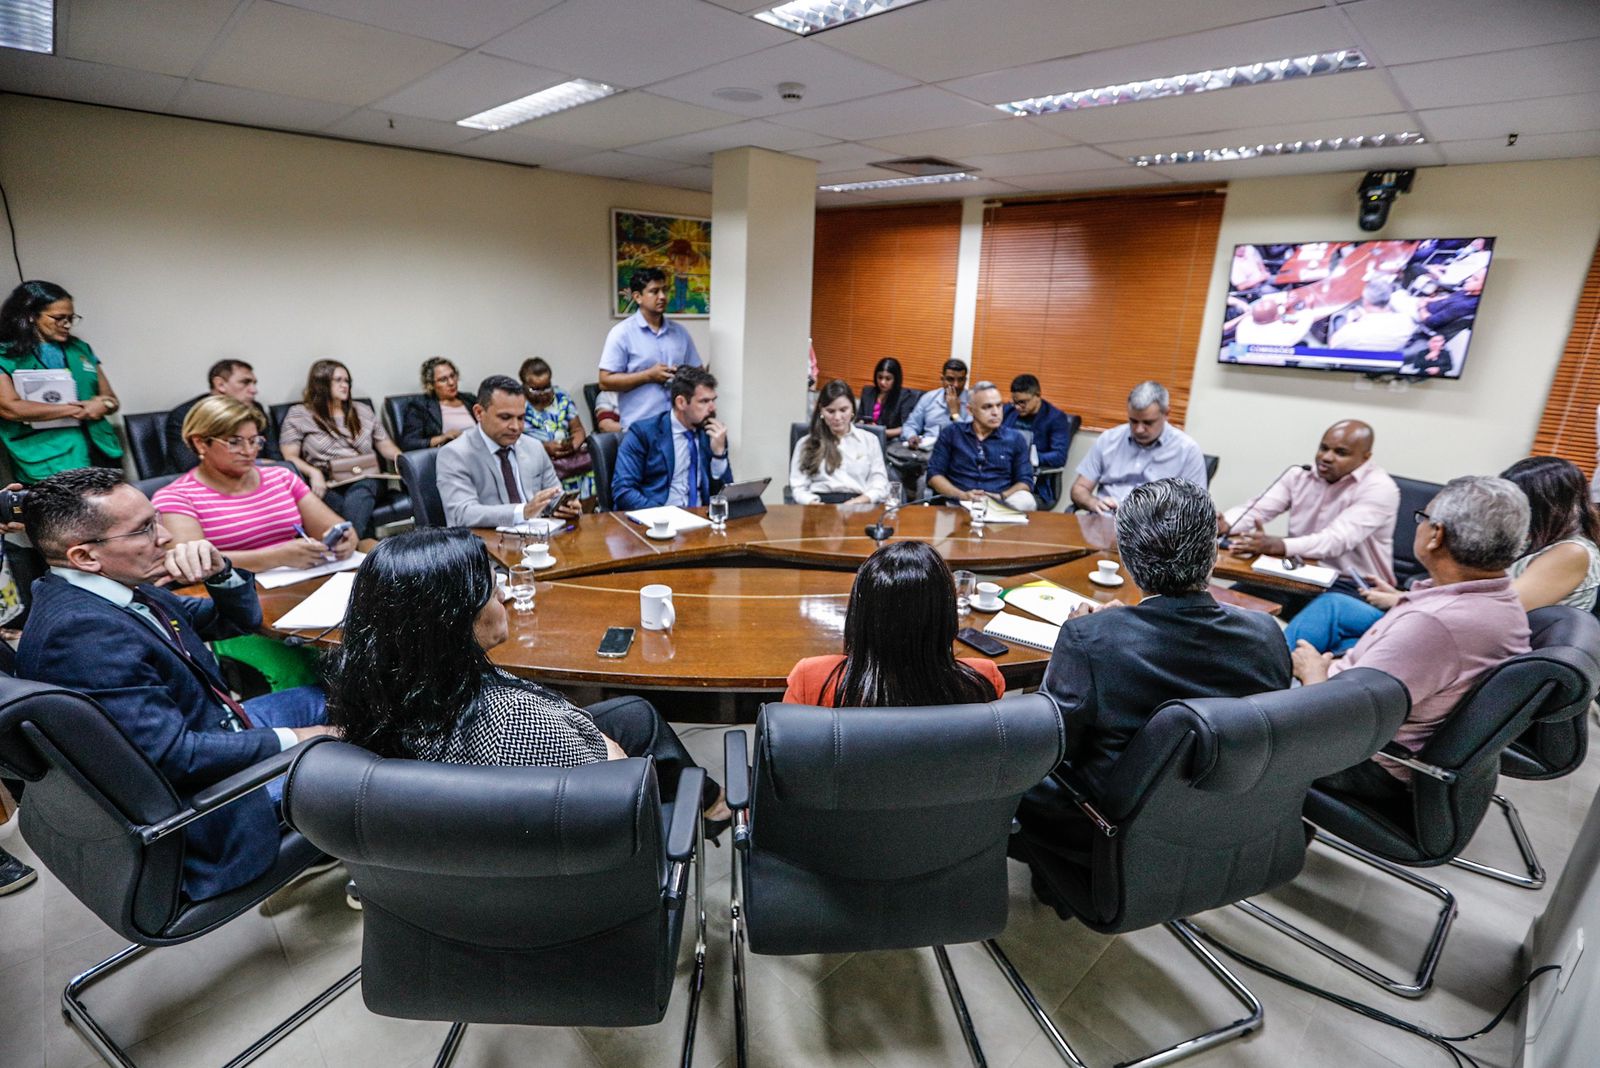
1444 1042
11 227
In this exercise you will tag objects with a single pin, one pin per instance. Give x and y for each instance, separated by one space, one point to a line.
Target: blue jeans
303 706
1332 622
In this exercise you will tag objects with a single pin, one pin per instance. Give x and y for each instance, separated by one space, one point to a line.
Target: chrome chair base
1535 877
1430 957
78 1015
1185 932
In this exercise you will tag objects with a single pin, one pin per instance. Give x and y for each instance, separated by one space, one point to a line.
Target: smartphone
982 642
616 642
335 532
1361 583
557 503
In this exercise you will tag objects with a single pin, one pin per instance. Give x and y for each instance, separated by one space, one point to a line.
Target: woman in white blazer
838 462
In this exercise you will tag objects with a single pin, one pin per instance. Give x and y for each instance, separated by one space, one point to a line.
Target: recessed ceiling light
1202 81
814 16
898 183
537 105
1280 148
737 93
28 25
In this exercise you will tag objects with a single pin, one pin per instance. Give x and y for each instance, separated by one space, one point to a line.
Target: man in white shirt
493 475
1376 327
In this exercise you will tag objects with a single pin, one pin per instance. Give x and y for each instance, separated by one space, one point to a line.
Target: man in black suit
228 378
1114 665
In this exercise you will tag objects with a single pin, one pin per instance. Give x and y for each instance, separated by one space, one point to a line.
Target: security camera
1377 191
791 91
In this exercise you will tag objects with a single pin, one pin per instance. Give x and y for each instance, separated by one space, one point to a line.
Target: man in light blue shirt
938 408
1144 449
642 351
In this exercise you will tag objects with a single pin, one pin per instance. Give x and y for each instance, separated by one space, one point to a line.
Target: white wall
186 241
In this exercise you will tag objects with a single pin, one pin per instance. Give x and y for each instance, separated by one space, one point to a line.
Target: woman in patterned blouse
327 425
412 676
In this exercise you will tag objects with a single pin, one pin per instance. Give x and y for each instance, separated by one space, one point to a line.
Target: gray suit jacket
470 484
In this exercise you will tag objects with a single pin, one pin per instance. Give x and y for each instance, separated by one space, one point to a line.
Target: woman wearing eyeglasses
552 419
443 412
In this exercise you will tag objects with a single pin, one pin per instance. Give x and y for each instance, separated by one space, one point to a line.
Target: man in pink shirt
1448 629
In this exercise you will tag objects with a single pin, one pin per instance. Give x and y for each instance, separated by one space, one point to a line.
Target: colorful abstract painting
679 245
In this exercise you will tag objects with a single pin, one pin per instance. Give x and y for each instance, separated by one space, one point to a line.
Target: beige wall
187 241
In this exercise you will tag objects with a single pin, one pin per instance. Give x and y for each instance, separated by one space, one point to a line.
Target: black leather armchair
603 451
879 828
419 470
1202 810
148 486
103 819
147 442
522 895
1414 497
591 397
394 504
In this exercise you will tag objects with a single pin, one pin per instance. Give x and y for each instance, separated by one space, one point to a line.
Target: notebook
680 519
274 577
998 513
1045 600
1310 574
1034 633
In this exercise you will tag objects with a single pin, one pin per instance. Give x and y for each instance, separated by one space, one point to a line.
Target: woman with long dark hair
837 462
1561 562
327 432
884 403
412 677
886 662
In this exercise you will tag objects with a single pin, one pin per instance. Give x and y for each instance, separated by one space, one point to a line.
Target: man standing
228 378
1143 449
938 407
643 350
980 458
103 625
1052 433
493 475
678 457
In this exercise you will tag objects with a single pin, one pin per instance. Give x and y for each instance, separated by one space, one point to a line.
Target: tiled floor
1114 997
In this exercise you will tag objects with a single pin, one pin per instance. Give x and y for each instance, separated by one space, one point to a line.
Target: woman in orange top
887 663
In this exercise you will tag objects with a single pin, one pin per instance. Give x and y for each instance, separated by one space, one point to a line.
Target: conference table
753 599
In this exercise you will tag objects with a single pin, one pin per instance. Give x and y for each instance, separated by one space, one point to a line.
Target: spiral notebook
1034 633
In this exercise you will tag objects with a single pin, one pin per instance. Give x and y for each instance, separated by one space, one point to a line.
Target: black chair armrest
229 790
683 836
1401 755
736 776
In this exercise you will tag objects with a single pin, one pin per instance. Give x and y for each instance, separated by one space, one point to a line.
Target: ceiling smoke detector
923 166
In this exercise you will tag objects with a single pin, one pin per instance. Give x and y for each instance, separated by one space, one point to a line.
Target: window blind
1566 428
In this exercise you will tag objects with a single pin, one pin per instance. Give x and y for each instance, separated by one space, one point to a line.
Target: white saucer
551 562
1095 577
668 536
994 607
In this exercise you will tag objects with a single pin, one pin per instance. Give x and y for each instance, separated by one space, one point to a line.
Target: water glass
522 587
966 586
980 511
896 498
717 512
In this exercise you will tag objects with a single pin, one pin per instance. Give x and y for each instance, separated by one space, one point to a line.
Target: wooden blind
1567 427
1096 295
884 284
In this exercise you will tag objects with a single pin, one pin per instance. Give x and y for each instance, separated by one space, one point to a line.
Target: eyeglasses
440 380
1420 517
148 532
238 444
540 391
63 320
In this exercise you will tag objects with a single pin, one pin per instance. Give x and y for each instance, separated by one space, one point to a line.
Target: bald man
1341 512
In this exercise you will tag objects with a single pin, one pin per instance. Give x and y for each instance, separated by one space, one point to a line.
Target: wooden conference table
756 598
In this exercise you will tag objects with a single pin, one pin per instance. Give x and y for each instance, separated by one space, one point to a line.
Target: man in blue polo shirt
643 350
981 459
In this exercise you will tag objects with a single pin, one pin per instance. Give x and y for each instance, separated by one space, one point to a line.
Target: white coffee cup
655 607
1108 570
536 555
661 528
988 595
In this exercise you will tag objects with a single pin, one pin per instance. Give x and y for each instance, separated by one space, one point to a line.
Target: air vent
923 166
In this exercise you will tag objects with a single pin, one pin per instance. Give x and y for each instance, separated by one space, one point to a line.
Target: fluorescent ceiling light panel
814 16
29 25
1280 148
899 183
1203 81
538 105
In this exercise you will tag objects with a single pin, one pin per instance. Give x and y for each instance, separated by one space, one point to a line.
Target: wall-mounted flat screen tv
1371 307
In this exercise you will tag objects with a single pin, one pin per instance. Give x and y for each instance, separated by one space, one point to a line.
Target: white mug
988 595
655 607
536 555
661 528
1108 569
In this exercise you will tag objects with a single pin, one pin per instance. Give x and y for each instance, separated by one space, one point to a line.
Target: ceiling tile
1354 163
1536 146
860 174
385 129
834 158
942 39
634 42
249 107
1546 114
165 36
697 147
614 165
1407 31
1518 74
687 178
986 138
1339 95
510 146
1078 181
625 119
299 53
958 191
828 76
904 111
1288 35
467 86
1254 135
467 23
1050 159
94 83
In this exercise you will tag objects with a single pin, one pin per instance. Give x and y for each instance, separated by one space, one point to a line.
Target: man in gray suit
494 476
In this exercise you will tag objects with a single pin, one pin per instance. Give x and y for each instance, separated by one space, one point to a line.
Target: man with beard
493 476
679 457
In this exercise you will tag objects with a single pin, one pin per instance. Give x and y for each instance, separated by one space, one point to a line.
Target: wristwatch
111 404
221 576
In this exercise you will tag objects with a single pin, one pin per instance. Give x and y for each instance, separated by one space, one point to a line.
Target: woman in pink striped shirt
262 517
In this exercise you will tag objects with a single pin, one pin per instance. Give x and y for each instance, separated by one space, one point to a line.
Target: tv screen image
1371 307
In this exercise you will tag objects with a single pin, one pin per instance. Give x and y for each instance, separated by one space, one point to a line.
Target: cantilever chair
419 469
511 895
1414 496
1453 782
602 447
879 828
106 823
1203 809
147 442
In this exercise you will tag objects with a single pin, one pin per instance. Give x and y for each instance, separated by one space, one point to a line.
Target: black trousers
356 502
635 725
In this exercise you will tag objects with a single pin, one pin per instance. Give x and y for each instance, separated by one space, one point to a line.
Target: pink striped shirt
265 516
1348 525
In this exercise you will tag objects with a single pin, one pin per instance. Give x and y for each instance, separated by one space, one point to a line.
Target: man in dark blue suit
678 457
1052 433
103 625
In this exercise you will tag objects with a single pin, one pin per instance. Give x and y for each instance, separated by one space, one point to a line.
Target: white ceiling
917 81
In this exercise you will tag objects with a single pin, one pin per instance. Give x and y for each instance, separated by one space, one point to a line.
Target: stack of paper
680 519
999 513
274 577
47 386
1311 574
534 526
1045 600
1023 631
324 608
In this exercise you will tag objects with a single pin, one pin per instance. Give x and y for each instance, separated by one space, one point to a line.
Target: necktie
169 626
509 476
693 492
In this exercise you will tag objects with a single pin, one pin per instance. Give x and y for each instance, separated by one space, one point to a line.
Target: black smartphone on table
616 642
982 642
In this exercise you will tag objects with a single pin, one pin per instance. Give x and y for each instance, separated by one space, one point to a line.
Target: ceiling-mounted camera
1377 191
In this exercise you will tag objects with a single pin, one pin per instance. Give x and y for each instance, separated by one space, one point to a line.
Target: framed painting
679 245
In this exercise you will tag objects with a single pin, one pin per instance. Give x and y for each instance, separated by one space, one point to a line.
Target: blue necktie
693 492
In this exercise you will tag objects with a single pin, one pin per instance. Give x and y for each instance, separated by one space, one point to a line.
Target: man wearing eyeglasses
104 624
228 378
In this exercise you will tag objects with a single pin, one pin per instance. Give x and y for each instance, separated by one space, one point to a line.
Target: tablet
744 491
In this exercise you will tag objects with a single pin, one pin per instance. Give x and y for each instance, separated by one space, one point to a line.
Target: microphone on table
879 533
1222 539
295 641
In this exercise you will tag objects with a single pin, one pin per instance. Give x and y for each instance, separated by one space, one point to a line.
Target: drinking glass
896 498
980 511
966 585
522 587
717 512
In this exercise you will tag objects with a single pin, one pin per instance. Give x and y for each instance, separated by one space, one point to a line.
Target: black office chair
800 430
394 410
510 895
420 471
591 397
394 504
148 486
1202 810
1212 463
879 828
107 823
1414 497
603 452
1453 783
1051 476
147 442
